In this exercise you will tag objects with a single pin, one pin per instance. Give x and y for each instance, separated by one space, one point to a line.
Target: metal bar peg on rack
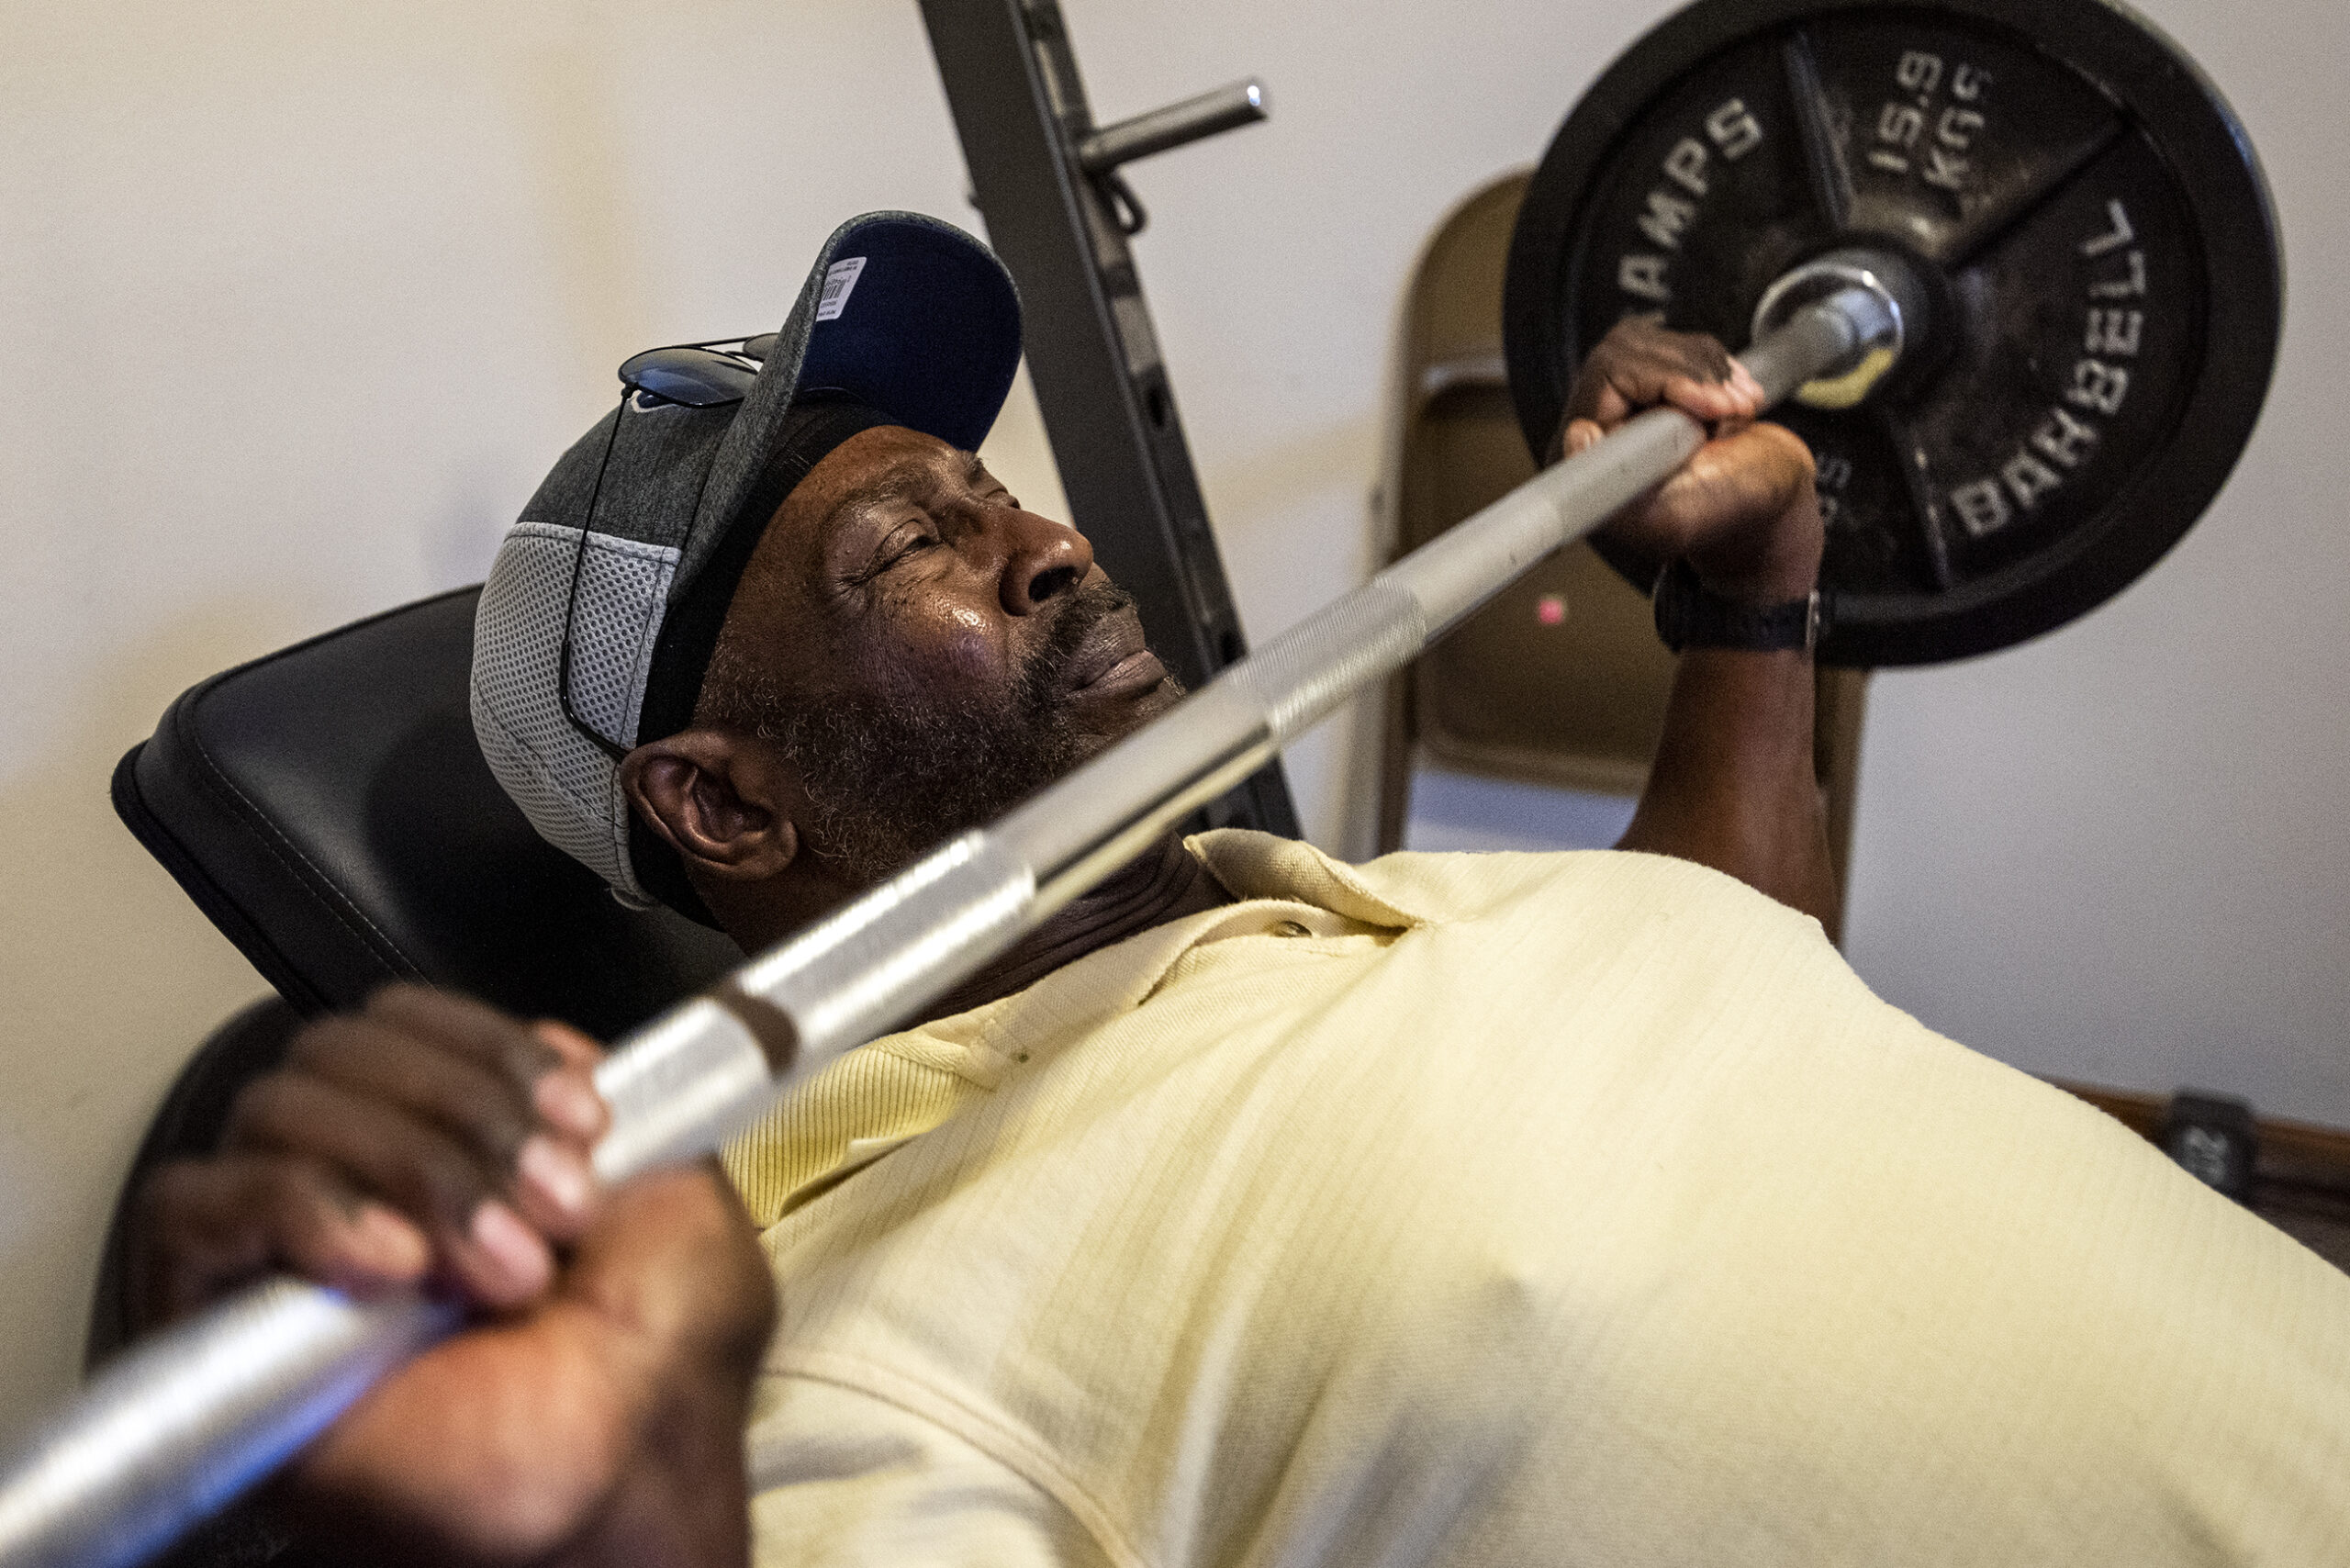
1225 108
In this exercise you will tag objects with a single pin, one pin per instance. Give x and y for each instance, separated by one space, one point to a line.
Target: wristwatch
1690 616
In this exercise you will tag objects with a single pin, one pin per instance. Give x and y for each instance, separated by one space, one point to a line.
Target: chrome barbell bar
180 1426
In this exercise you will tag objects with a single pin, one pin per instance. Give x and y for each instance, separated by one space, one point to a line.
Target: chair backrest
326 808
1560 680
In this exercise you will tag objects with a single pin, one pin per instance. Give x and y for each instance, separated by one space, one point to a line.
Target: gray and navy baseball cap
594 632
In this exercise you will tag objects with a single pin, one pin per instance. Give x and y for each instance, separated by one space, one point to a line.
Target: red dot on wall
1550 610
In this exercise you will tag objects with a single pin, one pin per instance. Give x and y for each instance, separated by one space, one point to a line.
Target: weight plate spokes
2087 211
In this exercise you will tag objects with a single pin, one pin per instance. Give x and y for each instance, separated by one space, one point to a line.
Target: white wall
296 302
2121 853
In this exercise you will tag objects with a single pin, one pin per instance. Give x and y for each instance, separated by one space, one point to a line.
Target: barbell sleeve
179 1427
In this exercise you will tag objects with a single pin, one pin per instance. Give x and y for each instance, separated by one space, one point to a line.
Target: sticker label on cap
840 279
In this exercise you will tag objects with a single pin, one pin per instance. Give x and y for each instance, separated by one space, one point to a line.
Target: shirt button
1290 928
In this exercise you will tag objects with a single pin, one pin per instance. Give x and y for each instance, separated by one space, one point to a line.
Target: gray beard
887 779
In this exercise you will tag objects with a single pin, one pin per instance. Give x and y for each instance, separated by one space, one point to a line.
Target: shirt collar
1274 878
895 1088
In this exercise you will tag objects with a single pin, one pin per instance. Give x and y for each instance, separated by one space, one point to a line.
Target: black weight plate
2087 209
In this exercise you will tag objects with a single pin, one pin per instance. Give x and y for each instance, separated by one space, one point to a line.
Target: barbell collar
1894 315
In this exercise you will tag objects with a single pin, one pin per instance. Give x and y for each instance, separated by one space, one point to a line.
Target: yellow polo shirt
1510 1209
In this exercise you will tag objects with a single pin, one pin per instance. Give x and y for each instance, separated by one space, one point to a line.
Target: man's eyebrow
898 480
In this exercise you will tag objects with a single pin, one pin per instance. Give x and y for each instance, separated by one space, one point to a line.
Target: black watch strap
1688 616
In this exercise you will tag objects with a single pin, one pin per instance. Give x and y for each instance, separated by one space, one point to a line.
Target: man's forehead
888 470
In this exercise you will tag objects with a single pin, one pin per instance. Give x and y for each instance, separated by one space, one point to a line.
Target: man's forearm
1732 785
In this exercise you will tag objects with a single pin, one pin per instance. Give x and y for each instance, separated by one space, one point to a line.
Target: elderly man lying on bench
1258 1209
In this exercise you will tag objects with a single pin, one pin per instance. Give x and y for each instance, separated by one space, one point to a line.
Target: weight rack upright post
1020 110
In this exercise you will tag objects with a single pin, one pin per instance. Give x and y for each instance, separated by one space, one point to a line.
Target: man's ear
723 801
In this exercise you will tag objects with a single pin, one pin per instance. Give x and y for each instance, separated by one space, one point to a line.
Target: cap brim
921 322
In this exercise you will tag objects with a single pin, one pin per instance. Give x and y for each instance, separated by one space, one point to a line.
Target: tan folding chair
1561 680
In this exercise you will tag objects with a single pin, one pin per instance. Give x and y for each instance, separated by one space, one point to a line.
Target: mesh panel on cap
622 587
566 785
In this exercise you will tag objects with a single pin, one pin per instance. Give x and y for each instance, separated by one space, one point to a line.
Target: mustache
1046 672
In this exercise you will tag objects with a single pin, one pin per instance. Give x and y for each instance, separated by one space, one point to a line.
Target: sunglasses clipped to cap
699 375
696 375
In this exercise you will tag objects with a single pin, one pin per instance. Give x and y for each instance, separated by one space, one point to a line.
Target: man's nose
1043 560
